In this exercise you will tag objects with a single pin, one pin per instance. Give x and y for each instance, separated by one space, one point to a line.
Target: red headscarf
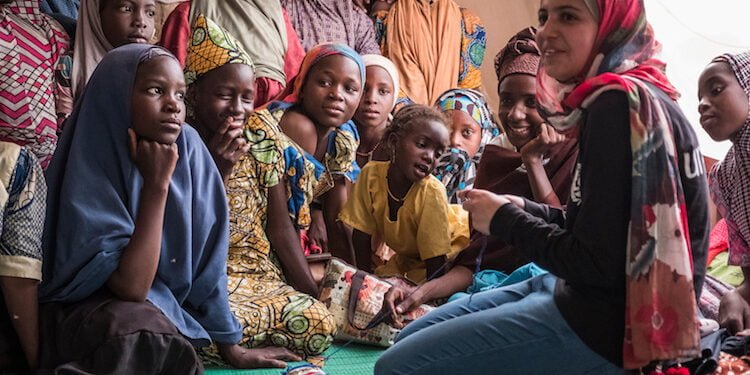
660 312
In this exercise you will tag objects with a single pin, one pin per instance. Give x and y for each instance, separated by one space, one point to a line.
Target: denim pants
516 329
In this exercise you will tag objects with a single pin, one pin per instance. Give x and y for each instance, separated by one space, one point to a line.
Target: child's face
465 133
417 151
158 100
566 36
127 21
331 91
377 98
518 112
723 104
223 92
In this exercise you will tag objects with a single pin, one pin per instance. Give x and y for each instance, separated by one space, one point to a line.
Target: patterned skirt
272 313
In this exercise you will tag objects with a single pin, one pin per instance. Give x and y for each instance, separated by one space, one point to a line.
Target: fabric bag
354 298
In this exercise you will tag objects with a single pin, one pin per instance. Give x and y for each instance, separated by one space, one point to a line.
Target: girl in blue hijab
136 235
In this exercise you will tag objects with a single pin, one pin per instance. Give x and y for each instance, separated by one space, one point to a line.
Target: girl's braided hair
407 118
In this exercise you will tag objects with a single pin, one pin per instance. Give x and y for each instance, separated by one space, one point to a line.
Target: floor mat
352 359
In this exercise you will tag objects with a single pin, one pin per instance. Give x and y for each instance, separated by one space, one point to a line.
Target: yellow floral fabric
426 225
270 311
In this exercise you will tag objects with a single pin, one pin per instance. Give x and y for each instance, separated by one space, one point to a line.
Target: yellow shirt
426 226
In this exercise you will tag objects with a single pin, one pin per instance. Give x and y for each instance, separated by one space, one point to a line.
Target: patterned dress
30 45
473 46
270 310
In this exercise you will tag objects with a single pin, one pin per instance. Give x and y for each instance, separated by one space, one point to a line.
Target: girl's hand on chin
155 161
546 138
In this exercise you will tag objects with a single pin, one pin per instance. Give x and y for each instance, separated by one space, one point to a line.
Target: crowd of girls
171 226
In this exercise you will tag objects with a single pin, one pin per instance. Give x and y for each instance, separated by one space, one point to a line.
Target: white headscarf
387 64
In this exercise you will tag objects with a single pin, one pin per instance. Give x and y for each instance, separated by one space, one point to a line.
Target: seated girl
372 117
271 288
22 200
524 161
136 232
471 128
402 202
374 111
316 115
102 25
724 92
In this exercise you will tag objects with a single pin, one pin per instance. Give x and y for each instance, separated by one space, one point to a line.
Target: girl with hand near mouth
270 285
403 203
374 111
530 158
471 128
102 26
724 93
135 258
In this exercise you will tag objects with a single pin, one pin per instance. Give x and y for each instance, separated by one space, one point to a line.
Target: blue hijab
94 190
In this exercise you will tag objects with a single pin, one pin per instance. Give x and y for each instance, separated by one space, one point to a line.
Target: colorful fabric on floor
31 44
491 279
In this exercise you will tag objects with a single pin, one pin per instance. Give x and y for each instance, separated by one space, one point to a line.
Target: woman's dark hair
407 118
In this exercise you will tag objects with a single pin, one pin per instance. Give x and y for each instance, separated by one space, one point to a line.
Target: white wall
704 30
692 33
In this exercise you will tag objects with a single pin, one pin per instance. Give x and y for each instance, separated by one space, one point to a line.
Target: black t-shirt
586 247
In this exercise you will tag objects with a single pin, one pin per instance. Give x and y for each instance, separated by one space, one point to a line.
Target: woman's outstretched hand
482 206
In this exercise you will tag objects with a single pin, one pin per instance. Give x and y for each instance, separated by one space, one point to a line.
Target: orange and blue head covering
212 47
313 56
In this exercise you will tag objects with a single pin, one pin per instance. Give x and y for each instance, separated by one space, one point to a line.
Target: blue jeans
516 329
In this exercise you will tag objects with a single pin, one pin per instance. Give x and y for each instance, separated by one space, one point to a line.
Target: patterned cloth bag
354 298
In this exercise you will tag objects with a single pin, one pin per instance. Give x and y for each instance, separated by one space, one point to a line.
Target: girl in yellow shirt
402 202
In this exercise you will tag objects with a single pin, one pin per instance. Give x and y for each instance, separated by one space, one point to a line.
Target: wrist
531 158
155 187
316 205
227 351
